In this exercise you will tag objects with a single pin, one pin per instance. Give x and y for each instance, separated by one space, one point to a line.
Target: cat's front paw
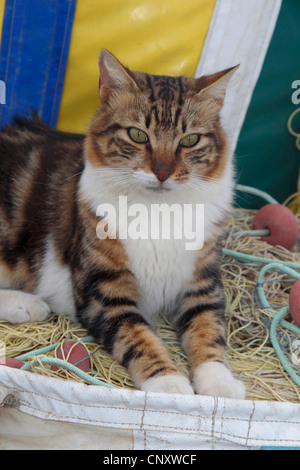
215 379
20 307
168 384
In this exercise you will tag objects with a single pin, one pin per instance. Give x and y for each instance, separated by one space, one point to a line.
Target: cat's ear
113 75
214 86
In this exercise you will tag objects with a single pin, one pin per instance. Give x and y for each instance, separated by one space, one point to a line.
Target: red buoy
294 302
11 362
281 222
75 353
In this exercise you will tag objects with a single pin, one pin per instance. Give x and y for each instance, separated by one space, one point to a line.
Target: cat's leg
18 307
109 311
135 346
201 326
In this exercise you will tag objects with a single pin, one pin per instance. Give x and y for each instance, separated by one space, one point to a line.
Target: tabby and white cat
153 139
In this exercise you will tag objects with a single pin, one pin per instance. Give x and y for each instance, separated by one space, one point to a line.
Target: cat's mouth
158 189
149 182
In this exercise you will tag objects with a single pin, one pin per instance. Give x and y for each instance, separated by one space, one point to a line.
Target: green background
266 155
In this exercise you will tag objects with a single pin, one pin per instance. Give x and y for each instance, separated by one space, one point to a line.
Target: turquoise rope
255 233
277 320
70 367
257 259
269 267
256 192
292 273
60 362
46 349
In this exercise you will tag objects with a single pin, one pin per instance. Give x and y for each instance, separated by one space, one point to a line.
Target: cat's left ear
214 86
113 75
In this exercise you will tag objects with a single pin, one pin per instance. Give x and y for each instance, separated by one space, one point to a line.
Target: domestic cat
153 139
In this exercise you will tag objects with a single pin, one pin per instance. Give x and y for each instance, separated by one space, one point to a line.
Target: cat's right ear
113 75
214 86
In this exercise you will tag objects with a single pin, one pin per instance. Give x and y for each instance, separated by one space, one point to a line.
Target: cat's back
39 172
34 161
29 140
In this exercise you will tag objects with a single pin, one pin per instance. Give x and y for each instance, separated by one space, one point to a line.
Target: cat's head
160 131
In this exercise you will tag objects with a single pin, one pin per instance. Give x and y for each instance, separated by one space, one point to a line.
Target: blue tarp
34 51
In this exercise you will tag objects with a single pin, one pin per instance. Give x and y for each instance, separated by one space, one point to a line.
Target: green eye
137 136
190 140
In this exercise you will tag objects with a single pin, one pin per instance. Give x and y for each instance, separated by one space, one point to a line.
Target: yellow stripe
154 36
2 6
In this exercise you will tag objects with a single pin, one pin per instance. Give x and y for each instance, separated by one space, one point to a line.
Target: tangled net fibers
249 349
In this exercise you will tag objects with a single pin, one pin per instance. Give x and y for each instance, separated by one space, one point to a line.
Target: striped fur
51 184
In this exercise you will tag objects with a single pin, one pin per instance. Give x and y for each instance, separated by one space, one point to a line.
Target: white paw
20 307
214 379
168 384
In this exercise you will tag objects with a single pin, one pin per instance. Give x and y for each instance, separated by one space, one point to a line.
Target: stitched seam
108 407
151 411
153 427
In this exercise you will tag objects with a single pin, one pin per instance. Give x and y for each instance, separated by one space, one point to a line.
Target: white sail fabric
239 33
138 420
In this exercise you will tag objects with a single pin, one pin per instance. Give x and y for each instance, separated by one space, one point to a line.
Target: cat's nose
162 175
162 171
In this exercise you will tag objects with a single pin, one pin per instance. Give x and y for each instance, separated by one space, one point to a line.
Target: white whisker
203 178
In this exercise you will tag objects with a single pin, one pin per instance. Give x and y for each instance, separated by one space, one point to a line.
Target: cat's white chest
161 246
162 269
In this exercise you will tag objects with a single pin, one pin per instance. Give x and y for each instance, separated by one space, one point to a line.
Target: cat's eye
138 136
190 140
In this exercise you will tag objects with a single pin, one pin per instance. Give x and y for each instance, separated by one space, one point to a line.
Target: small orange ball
75 353
294 302
281 222
11 362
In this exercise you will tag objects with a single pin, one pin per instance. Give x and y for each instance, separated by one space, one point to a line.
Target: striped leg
108 309
201 326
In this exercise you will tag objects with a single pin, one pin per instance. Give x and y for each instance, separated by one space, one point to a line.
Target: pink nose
162 175
162 171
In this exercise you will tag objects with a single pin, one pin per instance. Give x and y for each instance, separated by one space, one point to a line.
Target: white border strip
239 33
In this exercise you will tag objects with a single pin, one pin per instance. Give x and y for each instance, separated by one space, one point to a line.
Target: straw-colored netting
250 352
